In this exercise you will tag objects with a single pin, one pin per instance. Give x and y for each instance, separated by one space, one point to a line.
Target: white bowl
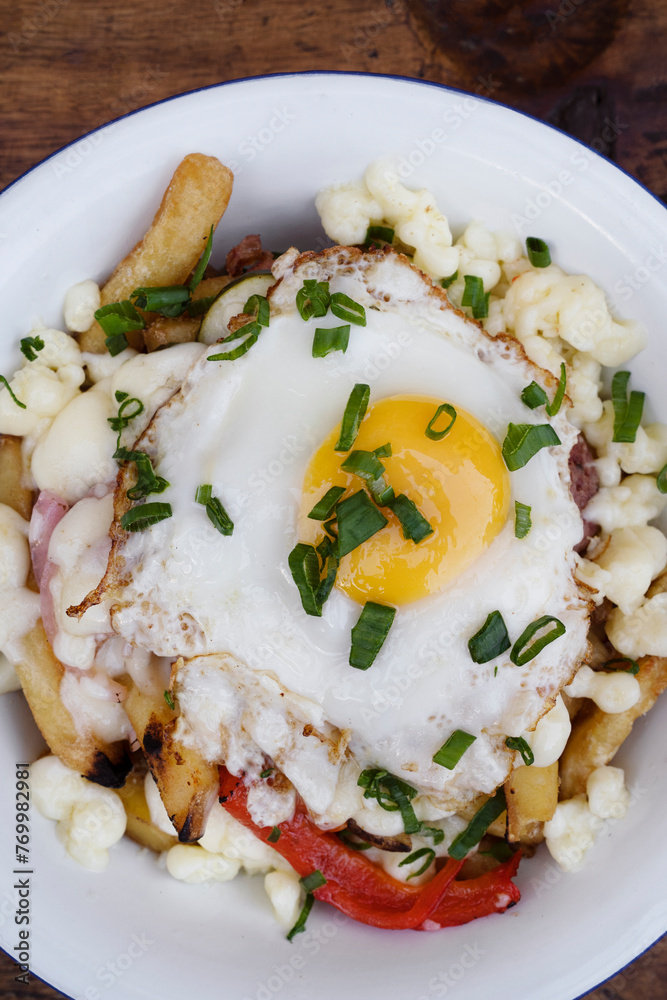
133 932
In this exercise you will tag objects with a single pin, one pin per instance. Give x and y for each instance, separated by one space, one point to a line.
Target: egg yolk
460 484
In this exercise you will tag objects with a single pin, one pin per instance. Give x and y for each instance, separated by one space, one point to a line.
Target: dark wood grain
596 69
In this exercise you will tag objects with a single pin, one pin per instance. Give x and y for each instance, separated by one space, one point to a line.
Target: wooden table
596 68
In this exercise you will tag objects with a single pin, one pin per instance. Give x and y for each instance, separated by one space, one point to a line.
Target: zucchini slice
230 302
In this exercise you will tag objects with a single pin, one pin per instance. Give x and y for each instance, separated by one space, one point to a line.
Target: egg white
260 677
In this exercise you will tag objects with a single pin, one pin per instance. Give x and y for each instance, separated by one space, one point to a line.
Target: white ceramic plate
133 932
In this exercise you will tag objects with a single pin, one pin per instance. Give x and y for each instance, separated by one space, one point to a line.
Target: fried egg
257 677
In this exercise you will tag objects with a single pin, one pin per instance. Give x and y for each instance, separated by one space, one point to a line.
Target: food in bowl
334 581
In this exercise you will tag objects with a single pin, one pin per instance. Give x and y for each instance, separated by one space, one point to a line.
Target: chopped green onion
522 519
324 507
435 832
633 667
358 520
329 569
328 339
499 850
452 749
313 881
522 652
203 494
202 265
554 406
120 422
313 298
169 700
11 393
368 467
478 825
384 451
446 282
168 300
258 307
274 836
518 743
391 794
423 852
197 307
116 343
661 481
354 845
369 634
147 482
431 432
30 346
303 917
345 308
118 318
475 297
267 773
305 569
415 526
538 252
355 410
523 441
491 640
252 329
140 518
533 396
627 412
383 233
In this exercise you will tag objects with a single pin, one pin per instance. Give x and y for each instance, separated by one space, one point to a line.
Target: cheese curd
612 692
44 385
81 302
642 633
630 559
19 607
572 831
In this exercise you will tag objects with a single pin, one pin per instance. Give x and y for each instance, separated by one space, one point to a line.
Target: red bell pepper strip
364 891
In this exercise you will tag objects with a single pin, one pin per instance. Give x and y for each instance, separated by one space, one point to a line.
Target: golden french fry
532 797
40 674
187 783
195 200
164 330
139 826
596 736
13 491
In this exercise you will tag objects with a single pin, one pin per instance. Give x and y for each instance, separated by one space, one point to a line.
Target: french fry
165 330
40 674
532 797
139 826
187 783
596 736
13 491
195 200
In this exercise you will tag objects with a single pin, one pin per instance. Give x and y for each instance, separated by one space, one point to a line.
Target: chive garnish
147 482
391 794
475 297
116 343
499 850
627 412
491 640
250 331
11 392
554 406
141 518
198 273
478 825
632 668
384 451
215 511
533 396
303 917
169 700
661 481
518 743
446 282
305 569
313 881
368 467
274 836
438 435
168 300
435 832
358 520
328 339
349 841
258 307
423 852
415 526
197 307
345 308
313 298
203 493
267 772
452 749
324 507
382 233
523 650
522 519
369 634
538 252
523 441
30 346
119 318
355 410
123 417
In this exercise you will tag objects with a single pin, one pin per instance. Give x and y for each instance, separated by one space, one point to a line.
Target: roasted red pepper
364 891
